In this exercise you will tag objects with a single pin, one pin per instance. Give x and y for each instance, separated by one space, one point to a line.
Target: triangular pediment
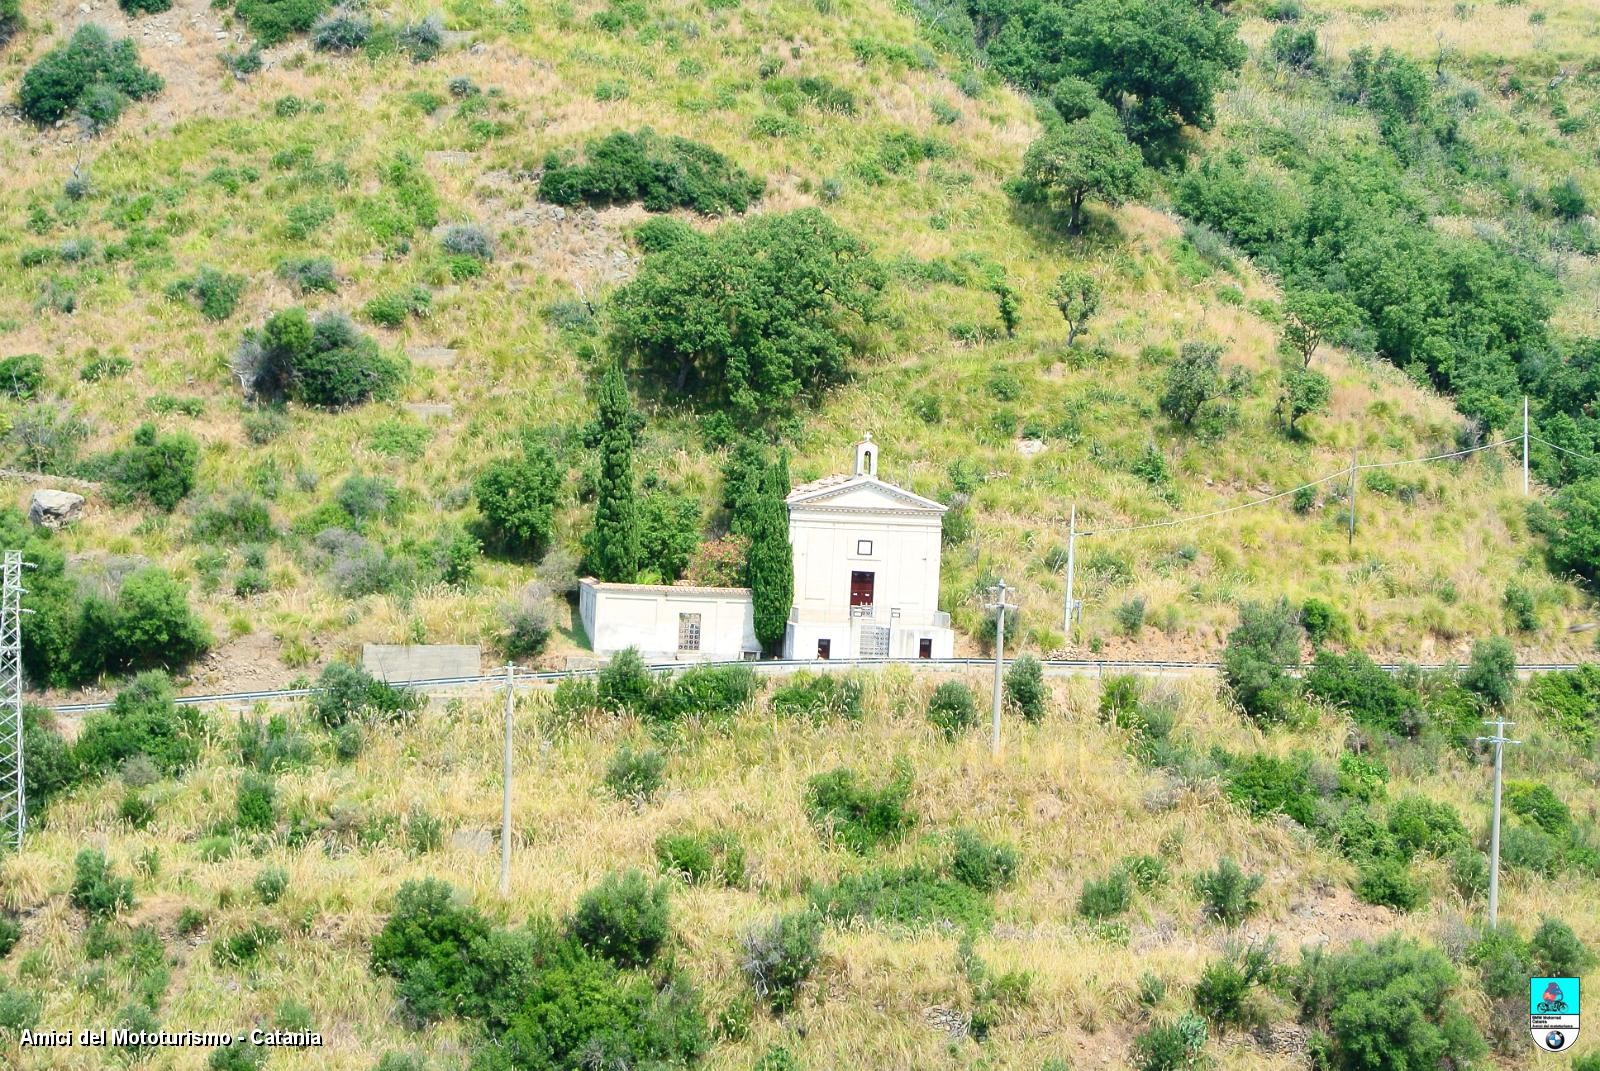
864 493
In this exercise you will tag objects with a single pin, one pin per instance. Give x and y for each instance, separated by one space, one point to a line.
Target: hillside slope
300 161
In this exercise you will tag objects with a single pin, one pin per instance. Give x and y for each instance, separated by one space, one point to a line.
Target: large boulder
55 509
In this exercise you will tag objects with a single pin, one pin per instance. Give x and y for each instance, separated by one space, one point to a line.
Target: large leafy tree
754 317
771 557
614 540
1191 381
1159 62
1571 524
1087 158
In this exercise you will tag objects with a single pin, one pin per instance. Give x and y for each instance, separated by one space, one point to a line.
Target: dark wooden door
861 589
824 649
924 648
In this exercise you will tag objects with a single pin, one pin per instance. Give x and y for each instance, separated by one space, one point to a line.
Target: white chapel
866 584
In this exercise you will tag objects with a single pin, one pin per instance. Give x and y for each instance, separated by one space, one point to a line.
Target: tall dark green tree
771 558
614 540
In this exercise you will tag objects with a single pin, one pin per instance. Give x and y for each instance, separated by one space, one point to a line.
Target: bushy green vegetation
755 316
345 692
328 363
662 173
952 709
856 815
714 858
90 73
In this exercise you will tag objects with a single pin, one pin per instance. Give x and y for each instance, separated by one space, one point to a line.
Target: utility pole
505 786
13 789
1350 537
999 606
1072 552
1524 446
1499 740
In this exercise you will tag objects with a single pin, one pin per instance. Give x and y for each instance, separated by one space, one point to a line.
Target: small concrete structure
400 663
669 622
55 509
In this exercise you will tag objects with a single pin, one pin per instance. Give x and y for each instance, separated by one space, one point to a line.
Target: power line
1341 474
1564 450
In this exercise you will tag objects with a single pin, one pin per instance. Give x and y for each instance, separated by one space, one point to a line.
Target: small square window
688 632
864 546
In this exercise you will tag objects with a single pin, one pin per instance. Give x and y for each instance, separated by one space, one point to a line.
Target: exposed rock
55 509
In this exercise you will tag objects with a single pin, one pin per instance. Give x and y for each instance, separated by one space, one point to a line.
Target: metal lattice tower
13 801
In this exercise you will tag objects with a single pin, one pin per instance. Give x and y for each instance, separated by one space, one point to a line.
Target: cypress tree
771 558
614 541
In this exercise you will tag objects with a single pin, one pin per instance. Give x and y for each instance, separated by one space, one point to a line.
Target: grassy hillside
299 161
1071 794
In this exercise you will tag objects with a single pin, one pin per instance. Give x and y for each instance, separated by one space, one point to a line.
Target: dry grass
1064 793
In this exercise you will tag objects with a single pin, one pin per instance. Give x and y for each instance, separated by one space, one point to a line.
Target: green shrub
244 946
239 1056
707 692
820 696
624 918
1025 687
309 275
10 934
909 896
1469 873
780 955
21 376
1170 1045
136 809
274 21
1557 951
1421 825
270 884
1501 957
856 815
1106 897
1224 989
1491 672
1385 1005
952 709
1227 894
11 20
624 684
1265 784
715 858
143 719
255 803
345 692
330 363
1530 848
1357 685
96 889
1537 802
393 307
1254 663
340 31
1119 700
1147 872
1388 882
983 864
424 832
90 62
157 468
427 946
662 173
216 293
635 775
467 240
1570 701
422 40
517 500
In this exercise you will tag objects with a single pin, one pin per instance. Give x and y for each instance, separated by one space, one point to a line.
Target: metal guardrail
777 667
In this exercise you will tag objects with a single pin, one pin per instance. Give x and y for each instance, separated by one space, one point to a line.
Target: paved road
776 667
